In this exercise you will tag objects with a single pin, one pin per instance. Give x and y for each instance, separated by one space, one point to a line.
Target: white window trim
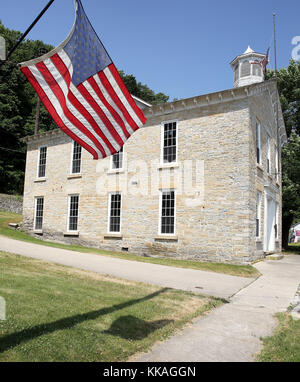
35 211
68 217
71 161
109 211
121 169
38 162
169 164
258 141
160 211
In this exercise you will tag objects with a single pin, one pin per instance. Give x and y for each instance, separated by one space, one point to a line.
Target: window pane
115 213
168 212
73 213
76 161
117 159
39 211
170 137
42 162
245 69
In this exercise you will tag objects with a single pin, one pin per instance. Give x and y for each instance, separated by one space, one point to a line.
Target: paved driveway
232 332
207 283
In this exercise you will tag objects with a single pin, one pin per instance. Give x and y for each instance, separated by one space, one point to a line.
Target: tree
17 112
18 108
142 91
289 92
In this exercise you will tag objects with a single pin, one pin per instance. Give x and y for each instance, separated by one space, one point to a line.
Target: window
42 162
117 160
76 158
236 73
256 69
115 213
258 210
169 142
39 211
167 208
73 212
258 143
245 69
268 156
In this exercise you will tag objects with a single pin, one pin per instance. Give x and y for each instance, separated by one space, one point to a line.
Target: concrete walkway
232 332
207 283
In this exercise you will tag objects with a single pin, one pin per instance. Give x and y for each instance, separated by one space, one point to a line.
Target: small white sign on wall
2 49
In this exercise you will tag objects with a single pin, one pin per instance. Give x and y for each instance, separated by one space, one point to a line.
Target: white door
270 212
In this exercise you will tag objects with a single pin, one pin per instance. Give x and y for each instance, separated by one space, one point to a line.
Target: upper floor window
114 223
76 158
258 143
117 160
256 69
236 72
42 161
73 212
268 155
167 212
39 212
245 69
169 149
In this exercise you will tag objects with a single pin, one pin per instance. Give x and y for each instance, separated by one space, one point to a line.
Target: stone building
201 180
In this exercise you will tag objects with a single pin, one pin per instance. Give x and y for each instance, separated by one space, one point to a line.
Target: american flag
82 90
264 62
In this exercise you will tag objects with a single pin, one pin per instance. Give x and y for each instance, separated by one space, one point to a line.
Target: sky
179 47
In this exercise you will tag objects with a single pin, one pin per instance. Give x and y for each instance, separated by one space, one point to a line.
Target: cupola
247 69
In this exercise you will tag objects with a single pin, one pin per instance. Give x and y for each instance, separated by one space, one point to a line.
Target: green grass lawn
57 313
294 248
235 270
284 344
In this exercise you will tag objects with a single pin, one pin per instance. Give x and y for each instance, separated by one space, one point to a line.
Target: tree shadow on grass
133 328
15 339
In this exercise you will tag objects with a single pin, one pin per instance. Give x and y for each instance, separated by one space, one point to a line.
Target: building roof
249 52
205 100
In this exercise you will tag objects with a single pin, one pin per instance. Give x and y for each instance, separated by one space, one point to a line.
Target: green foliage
289 91
18 109
142 91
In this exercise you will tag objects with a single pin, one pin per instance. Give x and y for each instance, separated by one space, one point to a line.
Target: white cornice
196 103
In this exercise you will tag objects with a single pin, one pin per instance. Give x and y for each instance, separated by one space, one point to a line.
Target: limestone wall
215 212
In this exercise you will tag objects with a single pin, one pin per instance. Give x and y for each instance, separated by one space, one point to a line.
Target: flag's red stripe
117 100
88 97
61 67
130 100
48 105
62 100
112 111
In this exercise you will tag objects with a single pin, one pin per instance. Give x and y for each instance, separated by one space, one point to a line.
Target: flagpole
277 111
29 29
275 53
